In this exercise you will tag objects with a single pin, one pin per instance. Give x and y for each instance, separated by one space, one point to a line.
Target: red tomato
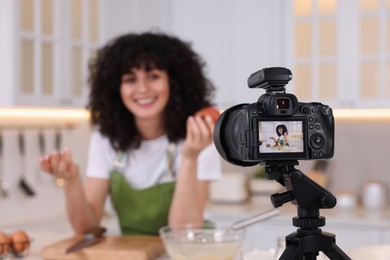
210 111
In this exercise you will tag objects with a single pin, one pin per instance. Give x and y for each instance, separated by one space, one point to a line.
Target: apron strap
120 162
171 156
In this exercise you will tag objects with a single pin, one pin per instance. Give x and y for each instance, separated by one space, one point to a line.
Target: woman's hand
60 164
199 135
274 139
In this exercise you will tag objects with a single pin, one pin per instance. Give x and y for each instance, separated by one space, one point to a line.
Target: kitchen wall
361 154
48 200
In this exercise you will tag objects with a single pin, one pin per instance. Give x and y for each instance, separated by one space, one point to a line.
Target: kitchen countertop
56 228
42 239
258 204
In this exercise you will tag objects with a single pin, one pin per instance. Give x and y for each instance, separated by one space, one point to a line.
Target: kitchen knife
91 237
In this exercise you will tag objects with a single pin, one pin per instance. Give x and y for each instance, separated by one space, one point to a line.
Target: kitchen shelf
27 117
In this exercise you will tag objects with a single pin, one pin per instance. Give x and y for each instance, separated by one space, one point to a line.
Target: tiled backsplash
361 154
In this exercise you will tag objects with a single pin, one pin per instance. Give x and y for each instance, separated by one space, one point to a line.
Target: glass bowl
202 243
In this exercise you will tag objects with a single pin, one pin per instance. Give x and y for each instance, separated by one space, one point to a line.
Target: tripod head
309 197
301 190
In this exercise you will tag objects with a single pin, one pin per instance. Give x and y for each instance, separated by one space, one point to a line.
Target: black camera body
277 127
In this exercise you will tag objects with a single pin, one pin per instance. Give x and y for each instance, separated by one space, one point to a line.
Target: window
341 51
56 40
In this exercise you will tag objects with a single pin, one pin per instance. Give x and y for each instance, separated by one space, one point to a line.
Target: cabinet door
339 51
55 40
352 236
386 239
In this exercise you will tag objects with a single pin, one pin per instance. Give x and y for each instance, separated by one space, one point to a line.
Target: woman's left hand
199 135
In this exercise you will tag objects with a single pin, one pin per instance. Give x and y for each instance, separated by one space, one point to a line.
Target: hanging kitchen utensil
4 185
57 143
42 151
23 184
90 238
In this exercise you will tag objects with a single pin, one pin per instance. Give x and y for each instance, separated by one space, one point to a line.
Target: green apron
140 211
143 211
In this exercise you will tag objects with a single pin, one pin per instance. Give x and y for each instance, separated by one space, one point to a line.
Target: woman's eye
153 76
128 79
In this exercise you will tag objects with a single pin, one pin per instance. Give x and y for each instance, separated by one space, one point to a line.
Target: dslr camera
275 128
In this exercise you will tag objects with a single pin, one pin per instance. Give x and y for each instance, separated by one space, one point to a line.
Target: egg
19 241
209 111
4 243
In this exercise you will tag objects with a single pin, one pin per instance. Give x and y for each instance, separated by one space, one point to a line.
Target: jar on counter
280 247
374 195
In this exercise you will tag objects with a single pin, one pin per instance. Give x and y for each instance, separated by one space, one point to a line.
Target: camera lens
282 103
317 141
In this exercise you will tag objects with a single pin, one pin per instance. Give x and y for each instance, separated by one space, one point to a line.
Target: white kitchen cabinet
352 229
355 235
339 51
46 45
387 235
235 38
264 235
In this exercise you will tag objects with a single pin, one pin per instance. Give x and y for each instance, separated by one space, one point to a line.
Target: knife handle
96 231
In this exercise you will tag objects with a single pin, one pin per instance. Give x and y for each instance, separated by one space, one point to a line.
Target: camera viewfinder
282 103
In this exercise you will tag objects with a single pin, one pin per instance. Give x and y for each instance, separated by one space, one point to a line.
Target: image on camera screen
281 137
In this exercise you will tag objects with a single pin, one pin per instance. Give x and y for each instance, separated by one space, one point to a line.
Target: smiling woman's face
145 92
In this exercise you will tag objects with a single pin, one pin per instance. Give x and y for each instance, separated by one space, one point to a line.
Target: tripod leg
336 253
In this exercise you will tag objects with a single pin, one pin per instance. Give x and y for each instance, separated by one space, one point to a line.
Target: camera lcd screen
281 137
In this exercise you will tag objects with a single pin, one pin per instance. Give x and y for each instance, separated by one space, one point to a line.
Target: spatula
23 184
205 236
255 219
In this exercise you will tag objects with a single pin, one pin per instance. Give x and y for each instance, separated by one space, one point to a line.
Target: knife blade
90 238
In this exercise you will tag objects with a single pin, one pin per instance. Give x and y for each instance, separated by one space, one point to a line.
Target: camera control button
318 127
305 110
311 126
311 119
321 154
314 154
314 110
317 141
327 110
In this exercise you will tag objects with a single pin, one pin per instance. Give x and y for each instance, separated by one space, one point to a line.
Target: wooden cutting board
111 247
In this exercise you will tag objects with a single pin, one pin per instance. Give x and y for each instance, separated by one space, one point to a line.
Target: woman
148 152
281 135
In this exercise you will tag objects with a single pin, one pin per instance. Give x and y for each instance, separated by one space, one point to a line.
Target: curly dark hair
284 128
190 90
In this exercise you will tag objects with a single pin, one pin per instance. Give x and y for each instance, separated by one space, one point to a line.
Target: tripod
309 197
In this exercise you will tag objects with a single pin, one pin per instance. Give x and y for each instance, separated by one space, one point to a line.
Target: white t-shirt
147 165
